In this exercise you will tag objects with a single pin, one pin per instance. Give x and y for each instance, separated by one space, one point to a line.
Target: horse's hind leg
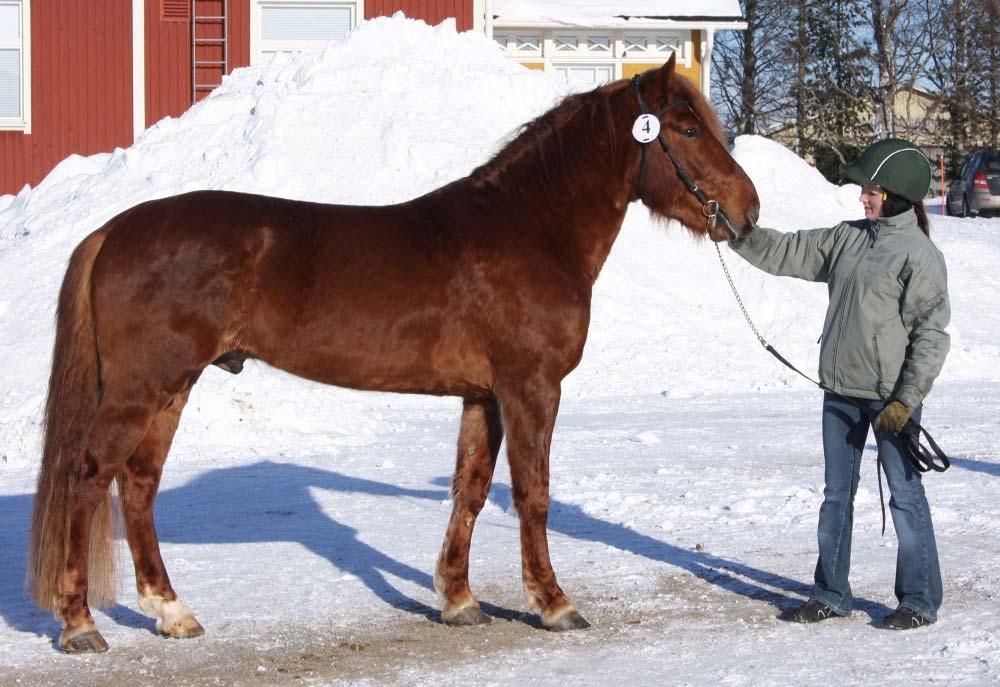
478 446
119 425
529 413
138 484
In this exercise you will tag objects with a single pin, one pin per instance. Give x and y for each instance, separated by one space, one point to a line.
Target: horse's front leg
529 413
478 446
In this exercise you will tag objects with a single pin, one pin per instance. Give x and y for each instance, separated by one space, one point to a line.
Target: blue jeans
918 575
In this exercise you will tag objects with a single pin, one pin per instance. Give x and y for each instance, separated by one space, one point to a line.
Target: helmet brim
853 172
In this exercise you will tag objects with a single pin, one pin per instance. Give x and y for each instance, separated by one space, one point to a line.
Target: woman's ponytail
922 221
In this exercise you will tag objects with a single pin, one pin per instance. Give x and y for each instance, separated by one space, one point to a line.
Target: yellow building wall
693 73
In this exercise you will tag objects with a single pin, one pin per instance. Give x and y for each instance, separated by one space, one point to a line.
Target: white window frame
23 121
562 47
510 43
258 46
653 52
555 65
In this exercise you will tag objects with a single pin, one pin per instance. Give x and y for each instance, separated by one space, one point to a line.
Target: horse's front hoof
465 616
185 628
85 643
568 620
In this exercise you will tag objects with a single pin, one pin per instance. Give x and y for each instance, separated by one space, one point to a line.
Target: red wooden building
86 76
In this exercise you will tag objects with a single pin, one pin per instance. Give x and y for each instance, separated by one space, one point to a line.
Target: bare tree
801 60
828 77
753 92
986 14
900 38
950 72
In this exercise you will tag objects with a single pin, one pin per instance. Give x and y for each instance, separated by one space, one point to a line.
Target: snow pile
398 109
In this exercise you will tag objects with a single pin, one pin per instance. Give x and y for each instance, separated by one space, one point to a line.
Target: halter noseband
710 208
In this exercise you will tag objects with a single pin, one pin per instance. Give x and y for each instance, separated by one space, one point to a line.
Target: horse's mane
554 147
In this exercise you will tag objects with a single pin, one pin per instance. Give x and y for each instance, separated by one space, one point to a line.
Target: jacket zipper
878 362
844 302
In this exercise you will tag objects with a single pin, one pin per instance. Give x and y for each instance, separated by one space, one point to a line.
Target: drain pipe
706 65
488 19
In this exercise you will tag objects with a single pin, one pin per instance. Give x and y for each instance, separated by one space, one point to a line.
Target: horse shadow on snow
271 502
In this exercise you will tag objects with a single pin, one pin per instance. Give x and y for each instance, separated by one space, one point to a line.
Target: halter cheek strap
709 208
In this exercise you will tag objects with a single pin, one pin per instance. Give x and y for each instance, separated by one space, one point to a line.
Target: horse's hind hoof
86 643
570 620
465 616
185 628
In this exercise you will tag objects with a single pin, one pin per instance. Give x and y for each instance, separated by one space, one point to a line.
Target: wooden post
944 185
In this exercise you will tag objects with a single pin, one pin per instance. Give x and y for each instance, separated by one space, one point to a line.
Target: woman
883 344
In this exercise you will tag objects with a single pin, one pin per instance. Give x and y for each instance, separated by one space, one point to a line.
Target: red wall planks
431 11
81 71
81 87
168 54
239 33
168 63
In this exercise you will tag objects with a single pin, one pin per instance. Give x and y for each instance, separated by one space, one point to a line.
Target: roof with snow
637 13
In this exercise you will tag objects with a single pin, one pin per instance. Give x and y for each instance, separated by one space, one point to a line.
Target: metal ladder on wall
217 26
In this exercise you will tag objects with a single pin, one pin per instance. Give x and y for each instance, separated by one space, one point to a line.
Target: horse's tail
74 395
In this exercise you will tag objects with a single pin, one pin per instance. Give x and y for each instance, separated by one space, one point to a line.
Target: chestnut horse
480 289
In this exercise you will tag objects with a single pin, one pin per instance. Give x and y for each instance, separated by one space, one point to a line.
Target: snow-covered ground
302 522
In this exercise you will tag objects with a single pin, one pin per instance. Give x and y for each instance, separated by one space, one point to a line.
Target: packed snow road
682 527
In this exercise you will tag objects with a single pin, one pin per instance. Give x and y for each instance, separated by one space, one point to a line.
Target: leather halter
710 208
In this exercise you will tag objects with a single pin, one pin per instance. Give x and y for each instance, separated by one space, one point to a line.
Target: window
656 47
635 44
599 44
668 44
290 25
585 76
565 43
531 43
520 44
14 65
586 59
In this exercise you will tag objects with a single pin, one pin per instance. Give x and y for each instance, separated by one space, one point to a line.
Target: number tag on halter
646 128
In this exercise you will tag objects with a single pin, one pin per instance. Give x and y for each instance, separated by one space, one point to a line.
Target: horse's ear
668 68
666 72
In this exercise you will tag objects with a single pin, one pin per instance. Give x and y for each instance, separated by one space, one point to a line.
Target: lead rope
920 458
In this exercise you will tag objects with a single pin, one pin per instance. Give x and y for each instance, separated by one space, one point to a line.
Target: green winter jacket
884 335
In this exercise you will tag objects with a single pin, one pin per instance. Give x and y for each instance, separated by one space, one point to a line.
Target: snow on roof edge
622 23
627 12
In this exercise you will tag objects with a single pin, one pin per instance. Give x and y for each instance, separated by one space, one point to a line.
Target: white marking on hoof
439 585
173 618
57 609
531 600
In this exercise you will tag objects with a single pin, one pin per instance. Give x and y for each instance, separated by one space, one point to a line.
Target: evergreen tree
837 86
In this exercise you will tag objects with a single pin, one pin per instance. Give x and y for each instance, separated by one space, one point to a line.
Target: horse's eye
690 133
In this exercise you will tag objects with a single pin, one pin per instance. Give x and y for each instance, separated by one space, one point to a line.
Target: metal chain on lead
739 300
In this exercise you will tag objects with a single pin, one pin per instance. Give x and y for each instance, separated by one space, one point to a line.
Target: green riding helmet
896 166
